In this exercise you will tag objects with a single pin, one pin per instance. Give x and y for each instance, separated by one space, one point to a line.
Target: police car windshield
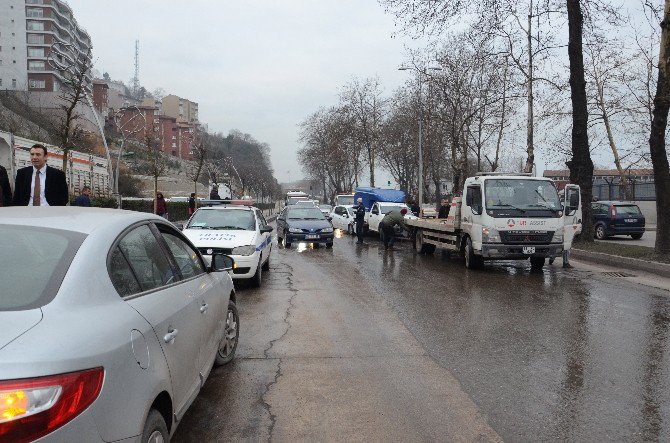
305 214
522 195
223 219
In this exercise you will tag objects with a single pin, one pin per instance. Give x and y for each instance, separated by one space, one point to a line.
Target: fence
644 191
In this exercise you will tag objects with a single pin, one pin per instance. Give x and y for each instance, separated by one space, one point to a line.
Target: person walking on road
5 189
84 199
387 225
39 184
359 215
191 204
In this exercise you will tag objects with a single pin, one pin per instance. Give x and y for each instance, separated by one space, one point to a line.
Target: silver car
111 323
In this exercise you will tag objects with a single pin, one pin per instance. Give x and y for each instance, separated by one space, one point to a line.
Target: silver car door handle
169 337
204 307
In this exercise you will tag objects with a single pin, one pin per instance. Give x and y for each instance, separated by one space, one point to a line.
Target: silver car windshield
227 219
33 263
305 214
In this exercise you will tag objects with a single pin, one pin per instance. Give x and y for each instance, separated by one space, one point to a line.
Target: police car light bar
237 202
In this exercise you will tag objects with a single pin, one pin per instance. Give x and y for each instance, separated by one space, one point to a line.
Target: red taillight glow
33 407
613 212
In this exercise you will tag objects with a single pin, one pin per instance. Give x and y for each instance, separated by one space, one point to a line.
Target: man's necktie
38 190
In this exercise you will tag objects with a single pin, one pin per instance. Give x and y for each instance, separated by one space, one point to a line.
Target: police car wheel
258 276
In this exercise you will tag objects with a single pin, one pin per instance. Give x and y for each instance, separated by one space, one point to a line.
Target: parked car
325 209
239 231
111 322
617 218
342 218
303 224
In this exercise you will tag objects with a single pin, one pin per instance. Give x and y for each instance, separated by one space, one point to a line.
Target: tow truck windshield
227 219
519 197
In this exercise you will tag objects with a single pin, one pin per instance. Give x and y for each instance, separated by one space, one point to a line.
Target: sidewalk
620 262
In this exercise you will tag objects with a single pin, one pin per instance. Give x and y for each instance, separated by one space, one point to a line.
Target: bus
292 197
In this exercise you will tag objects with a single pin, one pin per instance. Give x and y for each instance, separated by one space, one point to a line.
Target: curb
661 269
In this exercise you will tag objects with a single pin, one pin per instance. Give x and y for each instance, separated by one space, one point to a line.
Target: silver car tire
155 429
231 335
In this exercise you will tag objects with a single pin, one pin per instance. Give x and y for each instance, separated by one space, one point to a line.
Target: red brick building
101 97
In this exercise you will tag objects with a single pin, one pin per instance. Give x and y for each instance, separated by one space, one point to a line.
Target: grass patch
630 251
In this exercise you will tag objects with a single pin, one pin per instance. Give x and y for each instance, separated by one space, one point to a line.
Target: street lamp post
420 72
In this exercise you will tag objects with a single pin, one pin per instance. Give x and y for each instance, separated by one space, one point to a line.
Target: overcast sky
259 66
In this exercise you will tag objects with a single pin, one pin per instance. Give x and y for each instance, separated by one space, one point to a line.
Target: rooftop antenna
136 79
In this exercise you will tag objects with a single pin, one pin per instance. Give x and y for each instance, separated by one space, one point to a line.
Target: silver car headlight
490 235
558 236
327 230
244 250
295 230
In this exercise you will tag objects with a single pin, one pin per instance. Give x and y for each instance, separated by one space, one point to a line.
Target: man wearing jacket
39 184
359 214
386 226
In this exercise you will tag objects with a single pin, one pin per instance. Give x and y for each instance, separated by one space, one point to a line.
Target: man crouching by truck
386 226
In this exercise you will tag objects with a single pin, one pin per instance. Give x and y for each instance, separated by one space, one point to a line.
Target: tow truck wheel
536 263
472 261
423 248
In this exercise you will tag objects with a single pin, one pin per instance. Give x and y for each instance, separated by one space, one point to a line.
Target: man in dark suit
5 189
39 184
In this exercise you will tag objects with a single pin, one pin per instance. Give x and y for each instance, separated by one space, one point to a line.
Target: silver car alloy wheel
156 437
227 345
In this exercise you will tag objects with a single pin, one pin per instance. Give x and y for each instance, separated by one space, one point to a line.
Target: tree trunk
659 156
155 194
581 165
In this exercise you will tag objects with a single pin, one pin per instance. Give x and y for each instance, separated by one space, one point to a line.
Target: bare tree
199 153
366 105
128 122
657 149
75 70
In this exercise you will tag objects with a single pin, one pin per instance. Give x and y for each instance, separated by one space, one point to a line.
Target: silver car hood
15 323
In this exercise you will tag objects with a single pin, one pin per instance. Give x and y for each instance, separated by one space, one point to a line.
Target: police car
236 230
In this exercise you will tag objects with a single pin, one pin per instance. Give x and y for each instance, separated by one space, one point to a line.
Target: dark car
617 218
304 224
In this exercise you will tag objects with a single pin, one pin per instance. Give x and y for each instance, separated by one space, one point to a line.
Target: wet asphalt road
359 343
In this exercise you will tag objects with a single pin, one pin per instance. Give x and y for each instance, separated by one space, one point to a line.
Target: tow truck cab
511 216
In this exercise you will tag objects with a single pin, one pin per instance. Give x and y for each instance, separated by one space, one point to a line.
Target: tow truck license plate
528 250
311 237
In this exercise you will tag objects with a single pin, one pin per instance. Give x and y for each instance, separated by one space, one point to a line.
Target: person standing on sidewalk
191 204
5 189
40 184
84 199
359 215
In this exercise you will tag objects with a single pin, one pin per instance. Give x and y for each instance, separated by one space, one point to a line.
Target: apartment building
180 108
33 32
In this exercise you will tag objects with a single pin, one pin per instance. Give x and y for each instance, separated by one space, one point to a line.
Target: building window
0 82
14 83
35 26
33 2
36 66
35 52
37 84
36 39
34 13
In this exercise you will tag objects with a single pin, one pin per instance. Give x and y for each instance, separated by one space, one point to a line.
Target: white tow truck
504 217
